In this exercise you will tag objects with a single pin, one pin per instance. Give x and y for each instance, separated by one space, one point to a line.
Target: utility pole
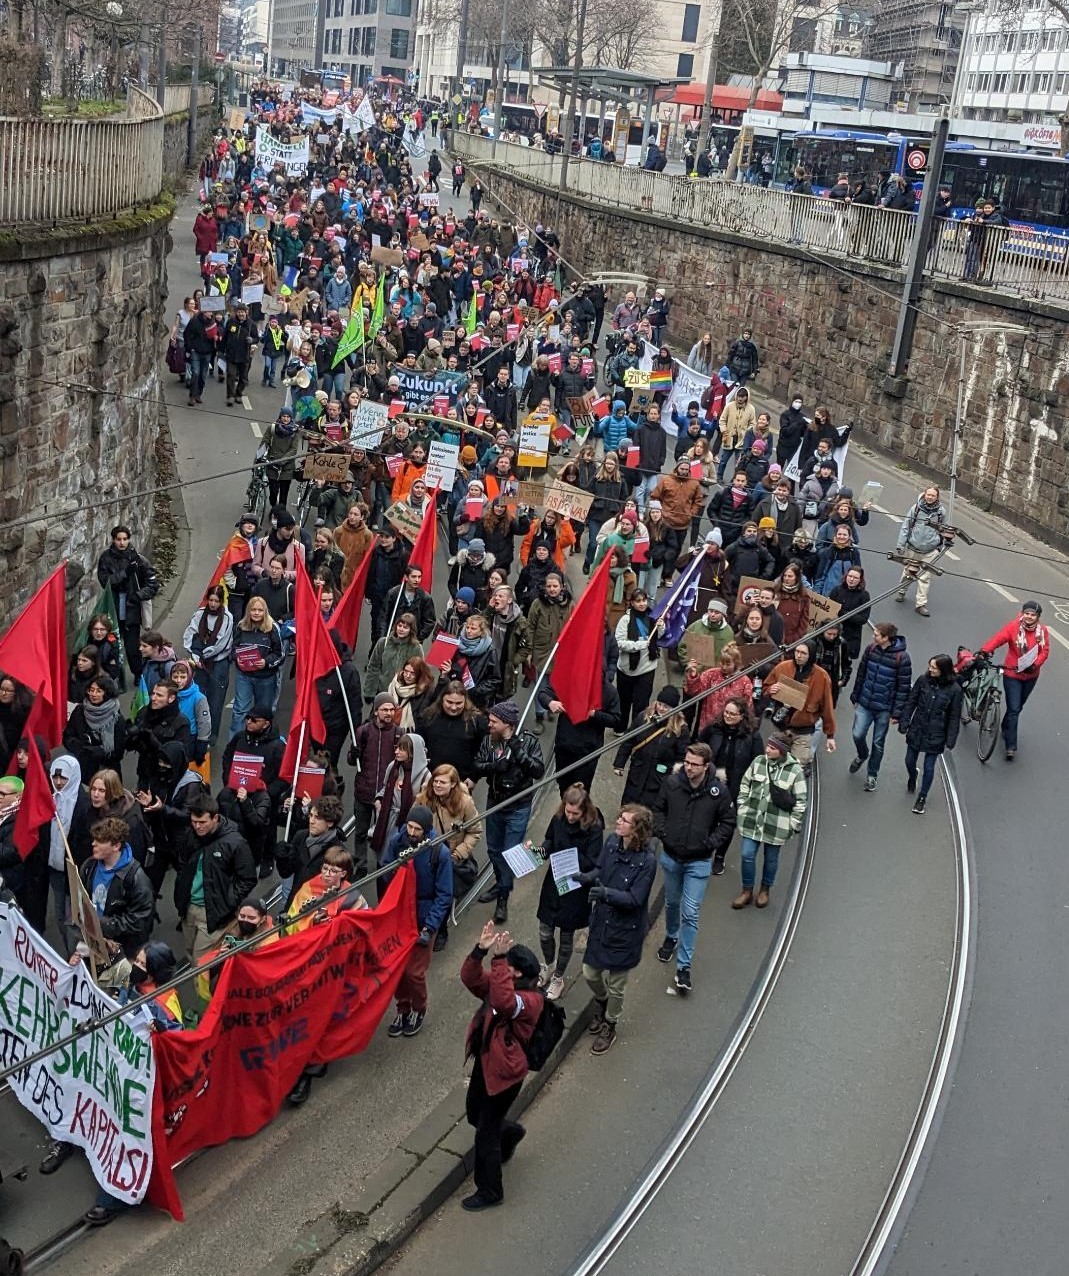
569 125
499 77
194 87
706 124
161 65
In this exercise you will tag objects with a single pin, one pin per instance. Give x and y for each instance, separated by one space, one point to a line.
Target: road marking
954 558
1057 637
1004 592
246 403
256 429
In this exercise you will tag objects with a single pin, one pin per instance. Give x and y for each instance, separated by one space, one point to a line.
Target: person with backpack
619 895
500 1041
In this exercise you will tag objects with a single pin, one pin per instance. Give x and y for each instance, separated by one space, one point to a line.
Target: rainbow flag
660 380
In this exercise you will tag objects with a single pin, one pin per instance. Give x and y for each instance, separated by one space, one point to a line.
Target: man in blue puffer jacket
617 427
881 688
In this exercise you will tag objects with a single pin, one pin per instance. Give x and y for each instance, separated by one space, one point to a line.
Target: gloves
587 879
598 894
424 937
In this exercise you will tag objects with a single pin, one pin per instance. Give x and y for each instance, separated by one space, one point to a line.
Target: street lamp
982 327
114 12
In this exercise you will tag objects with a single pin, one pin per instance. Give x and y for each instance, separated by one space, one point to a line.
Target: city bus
328 81
1033 189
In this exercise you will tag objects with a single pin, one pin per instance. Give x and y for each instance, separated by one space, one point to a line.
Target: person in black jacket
414 599
501 400
734 740
120 891
158 723
658 752
214 881
340 697
697 823
576 741
792 427
199 340
930 723
302 857
166 811
452 728
95 733
385 574
619 895
236 345
133 581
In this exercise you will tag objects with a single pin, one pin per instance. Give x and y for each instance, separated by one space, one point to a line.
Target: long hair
453 688
453 805
675 724
112 782
576 795
642 825
246 622
748 721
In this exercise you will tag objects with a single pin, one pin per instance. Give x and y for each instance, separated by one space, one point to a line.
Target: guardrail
1015 260
73 170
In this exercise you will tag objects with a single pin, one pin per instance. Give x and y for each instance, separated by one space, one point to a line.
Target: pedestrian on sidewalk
881 689
772 802
499 1029
930 723
619 894
923 533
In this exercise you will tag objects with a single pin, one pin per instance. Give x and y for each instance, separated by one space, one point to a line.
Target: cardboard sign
367 424
821 609
568 501
387 256
749 588
790 693
87 919
332 467
757 653
702 648
442 462
235 120
581 409
405 520
637 379
534 443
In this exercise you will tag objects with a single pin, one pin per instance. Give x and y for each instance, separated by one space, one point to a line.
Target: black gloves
598 894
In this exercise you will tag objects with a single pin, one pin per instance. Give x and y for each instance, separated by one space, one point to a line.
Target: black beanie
668 696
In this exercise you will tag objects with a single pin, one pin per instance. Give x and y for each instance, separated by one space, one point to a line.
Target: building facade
850 84
925 37
292 36
368 38
253 19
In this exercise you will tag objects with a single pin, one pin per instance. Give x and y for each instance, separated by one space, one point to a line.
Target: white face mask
797 404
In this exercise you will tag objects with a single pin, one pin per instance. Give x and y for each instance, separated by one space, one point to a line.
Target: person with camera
771 806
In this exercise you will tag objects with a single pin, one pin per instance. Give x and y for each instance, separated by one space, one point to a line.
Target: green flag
352 338
104 606
378 314
472 317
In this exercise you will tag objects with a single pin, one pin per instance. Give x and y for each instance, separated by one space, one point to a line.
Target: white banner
316 115
270 151
793 468
688 386
414 143
442 462
362 118
96 1093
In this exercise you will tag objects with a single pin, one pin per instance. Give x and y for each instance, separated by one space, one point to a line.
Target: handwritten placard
404 519
331 467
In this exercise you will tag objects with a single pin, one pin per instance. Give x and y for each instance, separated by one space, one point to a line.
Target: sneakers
743 898
922 611
918 806
667 949
99 1215
1010 754
870 784
682 983
556 988
856 765
911 784
57 1154
413 1022
603 1041
440 940
900 597
598 1018
398 1026
762 897
480 1201
718 865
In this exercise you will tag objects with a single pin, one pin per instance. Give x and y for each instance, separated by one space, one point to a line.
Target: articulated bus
1033 189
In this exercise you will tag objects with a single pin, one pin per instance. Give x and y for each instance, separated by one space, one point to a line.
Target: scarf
499 628
470 647
1022 637
209 625
617 575
284 429
404 694
101 720
639 626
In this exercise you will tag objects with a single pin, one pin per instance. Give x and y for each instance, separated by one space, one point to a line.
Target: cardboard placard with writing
790 693
637 378
749 588
531 494
235 120
758 653
702 649
581 409
405 520
821 609
331 467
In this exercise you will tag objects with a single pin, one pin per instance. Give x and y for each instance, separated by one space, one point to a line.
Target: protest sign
331 467
821 609
312 997
405 520
428 199
235 120
790 692
793 468
702 649
95 1093
368 424
758 653
637 379
387 256
582 410
213 305
534 443
252 294
293 156
424 387
86 919
442 462
688 387
568 501
749 588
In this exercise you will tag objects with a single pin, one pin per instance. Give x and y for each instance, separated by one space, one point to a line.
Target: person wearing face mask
792 427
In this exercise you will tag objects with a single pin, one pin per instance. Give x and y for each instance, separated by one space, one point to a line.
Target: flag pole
296 774
677 588
345 702
538 682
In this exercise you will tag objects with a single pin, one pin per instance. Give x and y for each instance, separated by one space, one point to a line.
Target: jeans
1016 691
726 454
863 719
650 578
748 848
334 383
520 373
249 691
930 759
198 373
684 890
505 829
642 492
593 526
214 681
271 362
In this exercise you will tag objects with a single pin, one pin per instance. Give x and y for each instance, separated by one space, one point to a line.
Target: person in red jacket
1027 644
205 233
507 1017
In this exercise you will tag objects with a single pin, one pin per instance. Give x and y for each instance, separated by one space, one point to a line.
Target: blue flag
678 603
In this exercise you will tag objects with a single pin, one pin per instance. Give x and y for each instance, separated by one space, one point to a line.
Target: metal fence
1016 261
75 170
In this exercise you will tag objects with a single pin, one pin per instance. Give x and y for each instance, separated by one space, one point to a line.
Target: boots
501 912
743 898
762 897
597 1021
603 1041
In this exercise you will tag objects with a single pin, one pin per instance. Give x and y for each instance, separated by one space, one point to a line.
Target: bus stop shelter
609 86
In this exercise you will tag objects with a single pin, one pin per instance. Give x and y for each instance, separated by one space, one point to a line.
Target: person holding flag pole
352 339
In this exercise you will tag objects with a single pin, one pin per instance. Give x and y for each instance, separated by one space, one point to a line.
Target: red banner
310 998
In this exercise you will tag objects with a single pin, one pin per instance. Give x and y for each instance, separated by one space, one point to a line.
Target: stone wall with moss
176 141
82 329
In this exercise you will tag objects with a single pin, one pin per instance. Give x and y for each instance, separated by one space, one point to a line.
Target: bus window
825 158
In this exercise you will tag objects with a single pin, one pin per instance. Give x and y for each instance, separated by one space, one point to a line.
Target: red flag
346 618
34 652
316 655
422 555
580 659
237 551
37 806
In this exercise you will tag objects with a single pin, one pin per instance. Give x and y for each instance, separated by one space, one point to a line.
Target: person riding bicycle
1027 644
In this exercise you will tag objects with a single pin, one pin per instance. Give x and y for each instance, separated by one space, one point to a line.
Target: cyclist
1027 644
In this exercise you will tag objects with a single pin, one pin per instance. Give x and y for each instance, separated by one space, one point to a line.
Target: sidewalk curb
368 1224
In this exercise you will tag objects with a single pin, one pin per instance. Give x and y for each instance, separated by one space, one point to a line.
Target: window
367 44
983 82
685 65
1041 82
354 8
399 8
803 35
354 41
999 82
336 45
1008 42
371 6
1061 82
1019 83
1029 41
691 14
972 82
398 42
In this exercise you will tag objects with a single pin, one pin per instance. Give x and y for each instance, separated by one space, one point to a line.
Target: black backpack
547 1033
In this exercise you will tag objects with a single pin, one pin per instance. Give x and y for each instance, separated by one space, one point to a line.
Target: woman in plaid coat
770 809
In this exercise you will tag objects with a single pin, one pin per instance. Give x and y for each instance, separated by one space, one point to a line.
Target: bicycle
981 701
256 493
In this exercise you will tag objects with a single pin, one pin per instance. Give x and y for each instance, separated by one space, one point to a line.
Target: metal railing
1015 260
73 170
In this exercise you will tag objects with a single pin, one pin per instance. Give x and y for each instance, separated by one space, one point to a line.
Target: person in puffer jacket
881 690
617 427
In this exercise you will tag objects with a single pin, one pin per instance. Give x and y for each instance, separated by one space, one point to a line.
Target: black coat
576 739
933 715
696 823
331 700
385 573
84 744
570 911
267 745
151 730
128 908
303 862
618 924
653 756
734 748
451 740
229 873
420 605
792 426
484 672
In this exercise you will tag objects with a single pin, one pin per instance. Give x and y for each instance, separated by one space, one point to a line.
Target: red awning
728 97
